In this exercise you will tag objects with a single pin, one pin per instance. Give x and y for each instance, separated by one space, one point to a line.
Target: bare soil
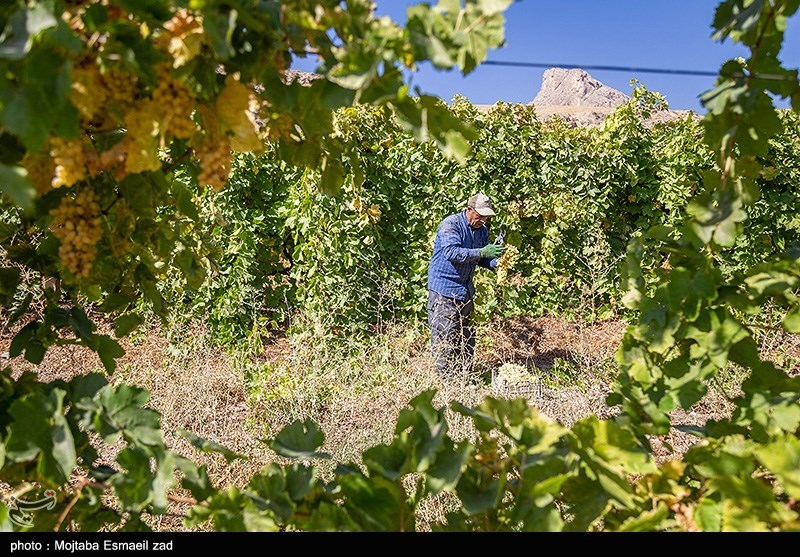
200 388
356 398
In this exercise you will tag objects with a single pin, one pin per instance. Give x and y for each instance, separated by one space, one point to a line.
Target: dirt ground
199 388
213 393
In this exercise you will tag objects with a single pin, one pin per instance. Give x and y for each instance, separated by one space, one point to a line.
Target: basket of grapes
515 380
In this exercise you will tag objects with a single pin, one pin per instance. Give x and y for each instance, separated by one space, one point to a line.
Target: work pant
452 335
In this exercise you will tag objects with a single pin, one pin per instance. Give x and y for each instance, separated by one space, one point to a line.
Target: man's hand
492 250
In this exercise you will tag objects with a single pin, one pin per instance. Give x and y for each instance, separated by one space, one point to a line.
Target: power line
703 73
635 69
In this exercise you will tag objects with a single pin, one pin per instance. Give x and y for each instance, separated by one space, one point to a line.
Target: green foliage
521 472
47 429
249 286
693 323
694 278
136 107
355 261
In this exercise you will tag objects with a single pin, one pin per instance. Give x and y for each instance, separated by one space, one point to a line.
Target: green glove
492 250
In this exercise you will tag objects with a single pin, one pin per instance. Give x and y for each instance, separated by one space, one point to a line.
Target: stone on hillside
303 78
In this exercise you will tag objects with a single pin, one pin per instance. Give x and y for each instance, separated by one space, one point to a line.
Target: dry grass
356 391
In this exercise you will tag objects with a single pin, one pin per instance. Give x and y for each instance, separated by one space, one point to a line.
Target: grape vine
106 109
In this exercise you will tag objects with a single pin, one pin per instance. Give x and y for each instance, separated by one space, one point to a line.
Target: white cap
482 205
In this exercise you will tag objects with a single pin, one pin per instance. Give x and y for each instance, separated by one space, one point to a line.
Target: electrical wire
600 68
634 69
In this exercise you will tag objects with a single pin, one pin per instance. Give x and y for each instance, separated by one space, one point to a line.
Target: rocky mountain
576 87
573 95
581 100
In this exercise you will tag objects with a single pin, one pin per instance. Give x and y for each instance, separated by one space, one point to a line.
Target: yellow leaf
233 111
183 49
185 37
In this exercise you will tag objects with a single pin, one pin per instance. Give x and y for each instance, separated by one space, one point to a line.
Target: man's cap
482 205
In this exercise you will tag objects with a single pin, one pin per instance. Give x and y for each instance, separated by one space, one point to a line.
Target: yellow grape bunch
121 88
142 123
112 102
152 123
70 161
89 93
76 223
215 162
506 263
101 96
175 105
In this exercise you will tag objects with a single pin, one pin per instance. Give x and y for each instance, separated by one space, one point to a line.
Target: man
462 242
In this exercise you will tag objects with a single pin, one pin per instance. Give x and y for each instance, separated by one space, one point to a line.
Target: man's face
475 220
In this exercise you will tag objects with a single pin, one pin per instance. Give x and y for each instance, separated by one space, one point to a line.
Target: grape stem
107 209
177 161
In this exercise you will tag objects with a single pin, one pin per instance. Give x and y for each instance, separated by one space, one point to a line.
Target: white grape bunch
506 263
513 374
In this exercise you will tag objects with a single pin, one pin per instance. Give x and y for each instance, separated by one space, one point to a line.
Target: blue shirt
456 252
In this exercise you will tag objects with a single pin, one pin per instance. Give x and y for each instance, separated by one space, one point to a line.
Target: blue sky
674 34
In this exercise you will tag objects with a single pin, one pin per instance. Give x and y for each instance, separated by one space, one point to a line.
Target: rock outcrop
576 87
581 100
303 78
